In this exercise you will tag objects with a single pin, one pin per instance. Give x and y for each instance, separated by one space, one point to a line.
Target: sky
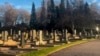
27 4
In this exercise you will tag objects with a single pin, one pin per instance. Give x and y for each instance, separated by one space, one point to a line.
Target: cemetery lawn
49 50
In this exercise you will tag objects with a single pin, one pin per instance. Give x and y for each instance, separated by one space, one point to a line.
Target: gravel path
86 49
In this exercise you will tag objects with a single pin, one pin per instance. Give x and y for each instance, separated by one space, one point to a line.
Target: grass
49 50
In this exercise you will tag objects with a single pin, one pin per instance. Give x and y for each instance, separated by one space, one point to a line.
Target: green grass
49 50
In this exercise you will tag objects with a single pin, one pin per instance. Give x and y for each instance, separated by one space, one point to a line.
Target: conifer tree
33 22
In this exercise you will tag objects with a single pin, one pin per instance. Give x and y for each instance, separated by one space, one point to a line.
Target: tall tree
89 16
62 6
62 13
77 3
51 14
43 15
68 11
33 23
57 17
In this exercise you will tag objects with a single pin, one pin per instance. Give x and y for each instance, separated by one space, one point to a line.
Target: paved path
86 49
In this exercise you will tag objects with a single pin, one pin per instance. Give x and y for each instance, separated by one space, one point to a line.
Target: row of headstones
33 34
37 37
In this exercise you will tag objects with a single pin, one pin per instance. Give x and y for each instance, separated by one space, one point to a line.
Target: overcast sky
27 4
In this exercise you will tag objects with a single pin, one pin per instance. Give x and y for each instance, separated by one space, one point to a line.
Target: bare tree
10 14
2 11
24 16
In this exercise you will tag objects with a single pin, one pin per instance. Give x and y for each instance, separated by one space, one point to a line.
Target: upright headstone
80 34
3 35
55 34
40 37
63 35
10 31
47 33
6 36
0 36
19 32
13 35
75 31
31 33
91 33
23 39
26 36
19 35
75 34
34 34
16 36
52 37
86 34
67 37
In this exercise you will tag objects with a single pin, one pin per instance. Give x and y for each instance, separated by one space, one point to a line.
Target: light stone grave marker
31 33
3 35
75 31
47 33
40 37
52 37
19 32
41 42
0 36
56 36
34 34
6 36
68 35
26 36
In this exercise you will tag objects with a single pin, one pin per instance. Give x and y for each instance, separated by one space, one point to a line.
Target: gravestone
47 33
0 36
31 34
75 31
63 36
80 35
34 35
67 36
52 37
56 36
40 37
86 34
26 36
19 33
16 37
6 36
41 42
23 39
91 33
10 31
3 35
1 41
